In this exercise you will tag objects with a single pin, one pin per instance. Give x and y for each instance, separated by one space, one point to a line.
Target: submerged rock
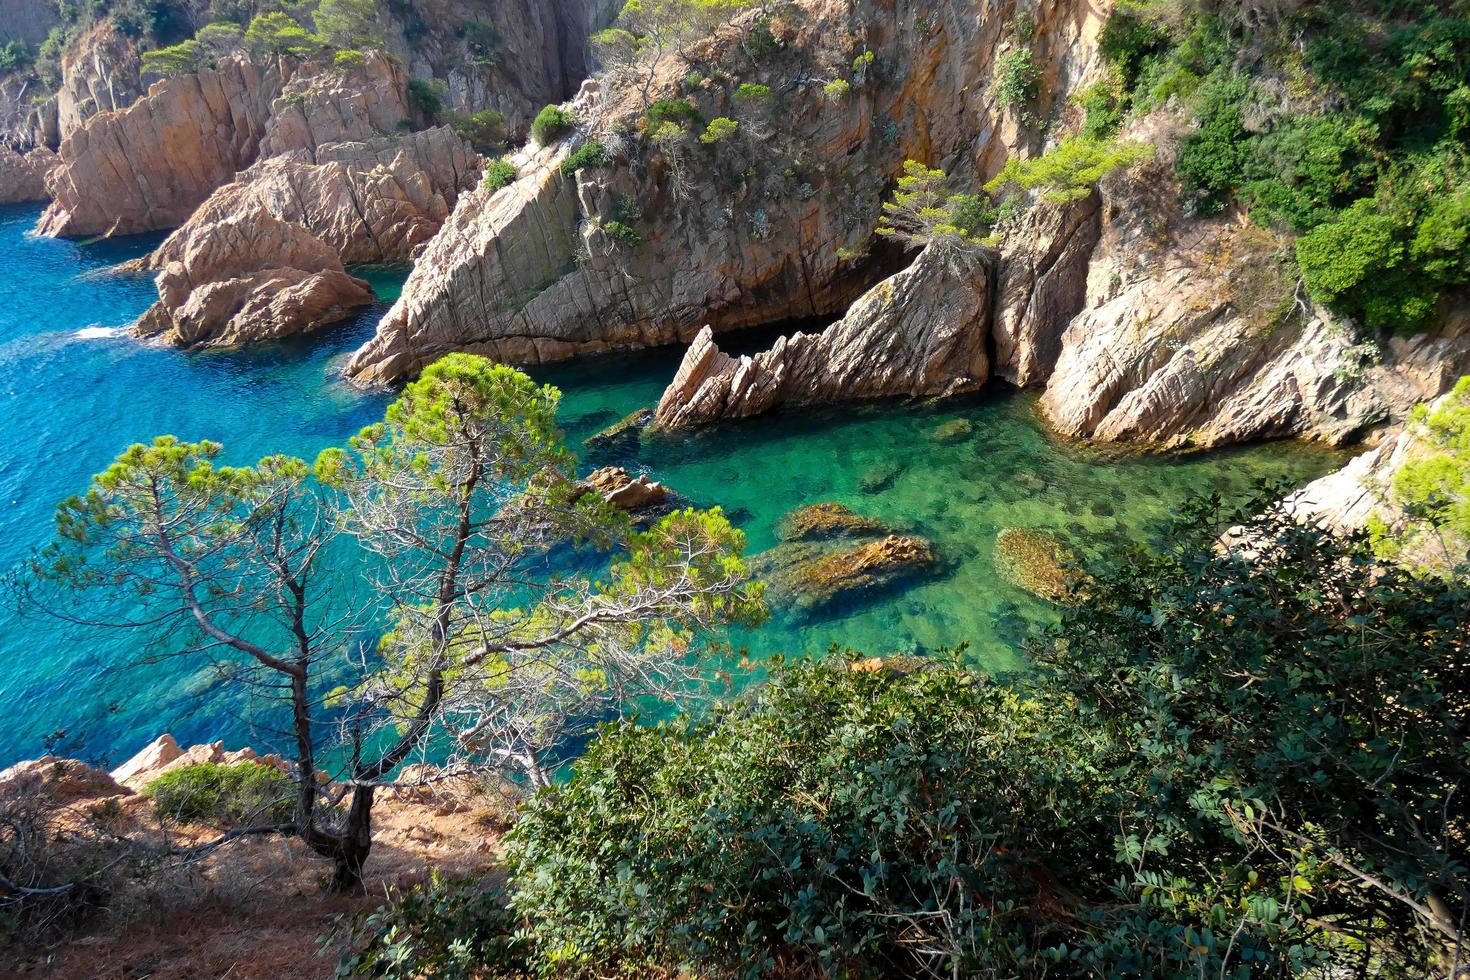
879 477
806 575
622 433
817 522
953 431
1033 560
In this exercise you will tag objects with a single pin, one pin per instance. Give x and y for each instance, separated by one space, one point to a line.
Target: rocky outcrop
743 232
164 755
60 780
824 522
327 106
806 576
1195 335
627 492
920 332
148 166
100 72
1033 560
23 175
374 200
253 278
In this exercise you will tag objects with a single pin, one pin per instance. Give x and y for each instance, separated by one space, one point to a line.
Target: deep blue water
76 391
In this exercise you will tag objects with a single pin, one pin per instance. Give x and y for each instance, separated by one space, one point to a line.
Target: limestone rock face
920 332
23 175
720 243
253 278
148 166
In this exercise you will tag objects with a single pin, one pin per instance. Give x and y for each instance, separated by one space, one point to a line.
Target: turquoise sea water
74 390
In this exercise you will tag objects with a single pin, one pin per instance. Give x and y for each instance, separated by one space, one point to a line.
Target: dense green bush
15 55
1226 763
211 792
484 130
847 821
551 124
590 154
1374 127
750 92
500 173
670 111
1016 76
622 233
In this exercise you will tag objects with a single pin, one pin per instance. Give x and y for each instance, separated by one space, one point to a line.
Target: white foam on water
95 332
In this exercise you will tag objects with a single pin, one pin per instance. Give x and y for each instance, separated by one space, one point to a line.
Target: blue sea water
75 390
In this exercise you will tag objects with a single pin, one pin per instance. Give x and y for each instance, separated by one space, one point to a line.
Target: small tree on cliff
502 640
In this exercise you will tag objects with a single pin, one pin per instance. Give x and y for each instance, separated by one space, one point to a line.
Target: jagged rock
151 758
99 73
1041 285
1033 560
23 175
330 106
827 521
62 780
807 575
149 165
625 491
920 332
253 278
717 248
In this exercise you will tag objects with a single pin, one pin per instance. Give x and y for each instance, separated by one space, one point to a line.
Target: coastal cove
77 390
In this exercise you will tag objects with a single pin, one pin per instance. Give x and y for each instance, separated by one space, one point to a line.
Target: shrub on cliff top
670 111
1069 172
211 792
500 173
551 124
590 154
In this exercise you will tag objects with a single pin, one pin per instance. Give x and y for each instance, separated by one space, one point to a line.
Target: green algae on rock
955 430
1035 561
806 576
622 434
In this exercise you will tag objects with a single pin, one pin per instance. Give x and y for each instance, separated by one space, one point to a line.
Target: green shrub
622 234
692 81
749 92
1127 41
590 154
834 824
500 173
482 40
1212 162
1071 170
450 929
484 130
426 98
1016 76
761 42
670 111
551 124
211 792
721 128
1104 109
276 33
837 89
15 55
348 60
178 59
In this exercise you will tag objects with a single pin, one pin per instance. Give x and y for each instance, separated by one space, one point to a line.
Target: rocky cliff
745 230
148 166
23 175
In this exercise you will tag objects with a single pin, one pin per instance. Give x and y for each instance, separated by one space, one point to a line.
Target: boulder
920 332
625 491
150 759
163 755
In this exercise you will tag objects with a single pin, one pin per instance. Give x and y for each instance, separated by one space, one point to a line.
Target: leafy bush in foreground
551 124
500 173
1228 763
211 792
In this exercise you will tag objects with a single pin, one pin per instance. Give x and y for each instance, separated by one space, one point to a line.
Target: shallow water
76 390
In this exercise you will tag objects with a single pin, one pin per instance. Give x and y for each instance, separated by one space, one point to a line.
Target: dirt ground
256 910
